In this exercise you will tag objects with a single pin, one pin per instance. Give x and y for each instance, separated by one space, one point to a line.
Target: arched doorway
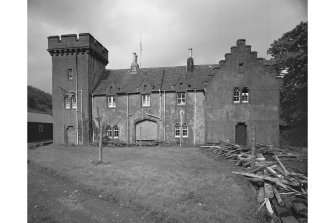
146 131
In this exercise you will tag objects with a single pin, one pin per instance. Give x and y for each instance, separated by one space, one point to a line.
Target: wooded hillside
39 101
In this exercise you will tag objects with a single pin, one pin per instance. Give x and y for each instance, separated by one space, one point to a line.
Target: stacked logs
283 192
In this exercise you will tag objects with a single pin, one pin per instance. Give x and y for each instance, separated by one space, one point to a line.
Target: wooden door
146 130
71 135
241 134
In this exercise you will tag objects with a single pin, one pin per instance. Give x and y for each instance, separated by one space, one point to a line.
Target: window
40 128
111 102
109 131
145 100
236 96
181 98
177 130
115 132
185 130
74 101
67 102
69 74
245 95
241 68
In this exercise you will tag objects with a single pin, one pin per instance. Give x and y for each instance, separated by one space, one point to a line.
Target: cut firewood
273 172
268 206
279 182
262 167
278 197
282 166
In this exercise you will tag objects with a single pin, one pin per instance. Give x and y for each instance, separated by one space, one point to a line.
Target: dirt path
51 199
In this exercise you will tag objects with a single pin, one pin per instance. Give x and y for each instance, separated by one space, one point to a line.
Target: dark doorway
241 134
70 135
146 130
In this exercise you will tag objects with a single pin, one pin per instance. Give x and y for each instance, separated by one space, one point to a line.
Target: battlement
70 43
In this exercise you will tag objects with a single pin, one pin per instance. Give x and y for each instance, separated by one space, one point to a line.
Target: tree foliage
39 100
290 57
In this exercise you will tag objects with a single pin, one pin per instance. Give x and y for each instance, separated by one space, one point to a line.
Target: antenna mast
140 50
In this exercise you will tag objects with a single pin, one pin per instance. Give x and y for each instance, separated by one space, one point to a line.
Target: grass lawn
170 184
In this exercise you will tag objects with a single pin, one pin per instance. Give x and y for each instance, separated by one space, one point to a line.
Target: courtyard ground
165 184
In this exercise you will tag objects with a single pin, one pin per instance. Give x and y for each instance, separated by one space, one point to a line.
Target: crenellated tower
77 66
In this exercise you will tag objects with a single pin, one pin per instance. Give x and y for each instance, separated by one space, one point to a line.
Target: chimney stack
190 62
134 65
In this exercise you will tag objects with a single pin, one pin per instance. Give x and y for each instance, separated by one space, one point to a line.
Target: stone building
187 105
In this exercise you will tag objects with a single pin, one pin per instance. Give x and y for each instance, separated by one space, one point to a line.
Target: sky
167 29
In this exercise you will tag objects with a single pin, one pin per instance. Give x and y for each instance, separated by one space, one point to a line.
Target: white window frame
245 95
111 101
236 95
74 102
67 102
109 132
145 98
116 132
181 98
185 128
177 129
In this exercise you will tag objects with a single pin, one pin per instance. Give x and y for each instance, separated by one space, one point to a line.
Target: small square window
181 98
40 128
145 100
69 74
111 102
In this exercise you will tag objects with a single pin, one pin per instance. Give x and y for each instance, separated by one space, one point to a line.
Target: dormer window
236 96
181 98
245 95
111 102
146 100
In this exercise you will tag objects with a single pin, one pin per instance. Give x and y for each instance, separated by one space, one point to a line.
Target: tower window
181 98
69 74
146 100
40 128
67 102
185 130
74 101
236 96
241 68
115 132
111 101
177 130
245 95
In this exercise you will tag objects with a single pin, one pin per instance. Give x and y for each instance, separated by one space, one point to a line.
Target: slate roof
39 117
152 79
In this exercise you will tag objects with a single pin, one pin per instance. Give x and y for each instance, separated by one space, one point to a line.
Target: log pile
282 191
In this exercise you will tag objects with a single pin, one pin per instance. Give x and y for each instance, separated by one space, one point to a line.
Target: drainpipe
92 120
127 119
77 100
82 119
164 123
160 115
194 118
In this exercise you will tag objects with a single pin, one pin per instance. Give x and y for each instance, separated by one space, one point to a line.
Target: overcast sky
167 28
